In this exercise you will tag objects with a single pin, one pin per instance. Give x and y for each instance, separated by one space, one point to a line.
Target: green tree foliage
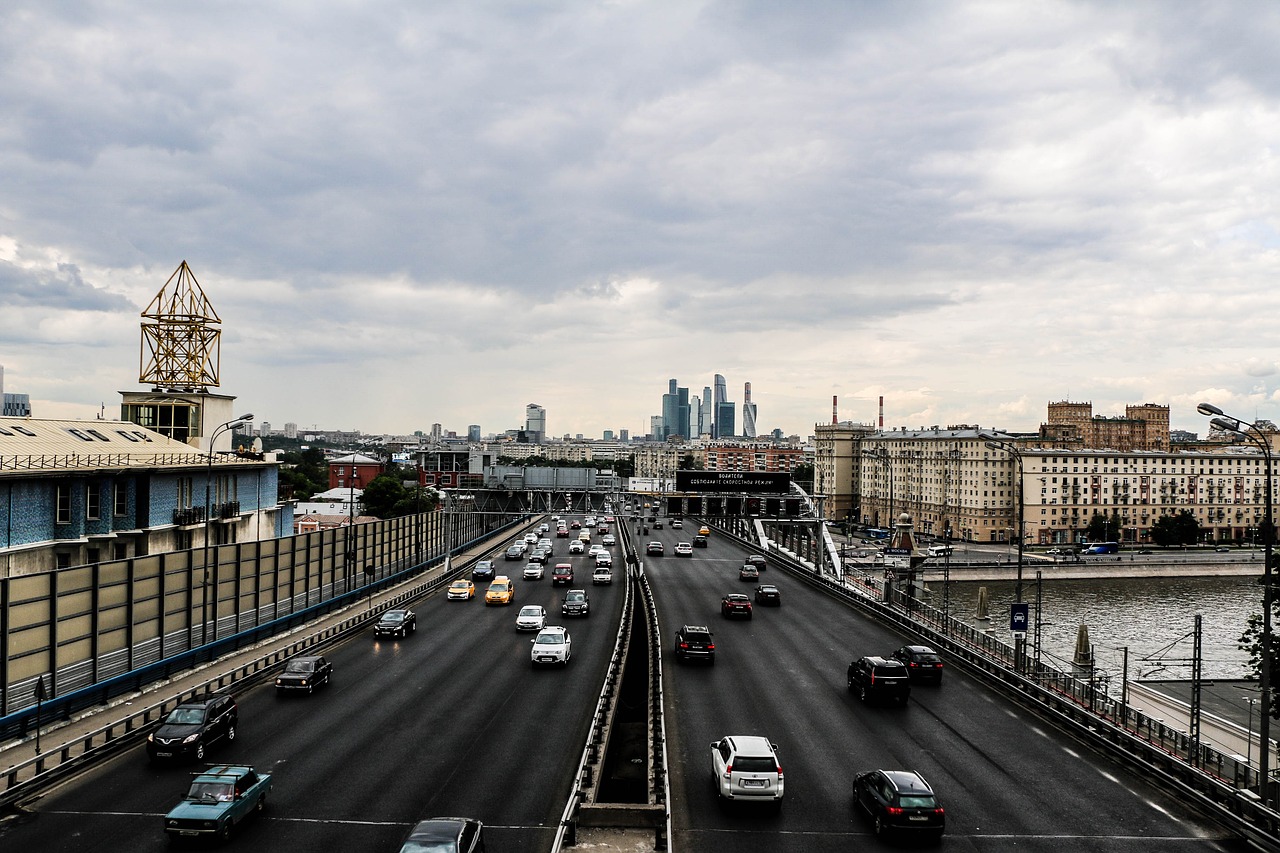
1251 642
382 495
1103 528
303 473
1172 530
802 475
689 463
415 500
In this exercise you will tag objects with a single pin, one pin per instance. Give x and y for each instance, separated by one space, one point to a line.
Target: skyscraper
473 432
724 420
748 412
717 401
695 417
675 411
535 423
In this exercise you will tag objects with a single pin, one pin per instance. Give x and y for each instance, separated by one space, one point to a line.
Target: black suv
693 642
899 800
192 726
879 678
922 663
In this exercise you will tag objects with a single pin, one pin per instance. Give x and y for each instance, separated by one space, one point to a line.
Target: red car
562 574
735 605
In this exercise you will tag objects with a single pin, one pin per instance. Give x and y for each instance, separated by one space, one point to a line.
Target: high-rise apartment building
473 432
290 430
748 412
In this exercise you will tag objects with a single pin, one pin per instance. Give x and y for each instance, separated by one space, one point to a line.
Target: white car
677 524
546 545
552 645
609 540
604 558
577 546
602 575
534 572
595 550
543 527
745 767
532 617
531 538
589 521
684 549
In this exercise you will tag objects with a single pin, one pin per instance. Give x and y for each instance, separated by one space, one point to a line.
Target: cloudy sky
408 213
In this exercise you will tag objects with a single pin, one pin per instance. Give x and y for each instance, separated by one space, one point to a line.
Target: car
544 527
677 524
656 524
1222 549
654 548
602 575
1145 551
609 519
552 645
584 536
563 574
575 524
562 532
595 550
735 605
577 547
482 571
609 540
922 663
546 545
874 678
746 767
1054 552
190 728
768 594
501 591
704 531
602 529
700 541
304 672
534 571
531 538
445 835
575 603
397 622
684 549
899 801
756 560
539 556
516 552
604 558
589 521
461 590
693 642
748 573
217 801
532 617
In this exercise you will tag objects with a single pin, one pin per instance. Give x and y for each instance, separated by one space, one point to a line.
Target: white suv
745 767
552 645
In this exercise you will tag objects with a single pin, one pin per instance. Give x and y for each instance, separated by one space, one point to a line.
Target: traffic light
753 507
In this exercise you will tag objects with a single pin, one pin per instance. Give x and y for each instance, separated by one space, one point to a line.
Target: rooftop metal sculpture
181 346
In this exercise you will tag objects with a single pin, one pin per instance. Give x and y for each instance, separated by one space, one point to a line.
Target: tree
1103 528
1180 529
303 473
802 476
1251 642
415 500
382 495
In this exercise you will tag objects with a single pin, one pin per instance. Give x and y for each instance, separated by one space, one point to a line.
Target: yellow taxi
704 531
461 590
501 591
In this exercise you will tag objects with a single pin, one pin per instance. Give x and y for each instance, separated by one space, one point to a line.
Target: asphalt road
1009 781
451 721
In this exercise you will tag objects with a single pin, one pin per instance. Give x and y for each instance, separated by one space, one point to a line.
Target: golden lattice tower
181 345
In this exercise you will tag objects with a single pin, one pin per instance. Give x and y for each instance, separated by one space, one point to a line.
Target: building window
64 504
92 504
119 499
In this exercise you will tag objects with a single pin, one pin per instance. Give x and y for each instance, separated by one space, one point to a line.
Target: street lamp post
1223 421
208 524
995 442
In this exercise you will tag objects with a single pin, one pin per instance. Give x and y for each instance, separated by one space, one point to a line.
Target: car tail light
895 810
711 647
684 645
728 770
779 772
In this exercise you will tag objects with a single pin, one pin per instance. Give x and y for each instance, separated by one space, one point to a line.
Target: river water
1154 617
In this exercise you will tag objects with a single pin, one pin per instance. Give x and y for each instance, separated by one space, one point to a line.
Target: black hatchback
899 801
191 727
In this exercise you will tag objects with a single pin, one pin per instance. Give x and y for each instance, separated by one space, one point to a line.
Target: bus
1101 548
876 533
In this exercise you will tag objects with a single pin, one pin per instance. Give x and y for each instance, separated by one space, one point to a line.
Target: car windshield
185 716
393 616
219 792
459 584
299 667
498 587
550 640
530 611
916 801
572 597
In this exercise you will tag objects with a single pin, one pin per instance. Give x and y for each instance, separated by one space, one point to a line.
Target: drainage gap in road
625 775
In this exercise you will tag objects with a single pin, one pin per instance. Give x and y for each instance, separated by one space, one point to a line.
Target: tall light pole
1223 421
208 525
994 441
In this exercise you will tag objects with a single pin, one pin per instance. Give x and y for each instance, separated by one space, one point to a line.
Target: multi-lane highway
454 721
1008 781
451 721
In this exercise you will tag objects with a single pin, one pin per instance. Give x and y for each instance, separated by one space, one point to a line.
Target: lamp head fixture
1209 410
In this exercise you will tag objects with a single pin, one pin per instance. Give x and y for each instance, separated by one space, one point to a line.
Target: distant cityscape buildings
535 423
748 413
14 405
713 414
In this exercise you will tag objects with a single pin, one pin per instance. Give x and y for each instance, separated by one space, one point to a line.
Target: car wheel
311 689
200 752
880 827
224 831
261 805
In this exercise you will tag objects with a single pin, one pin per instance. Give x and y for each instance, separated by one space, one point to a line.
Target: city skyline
407 218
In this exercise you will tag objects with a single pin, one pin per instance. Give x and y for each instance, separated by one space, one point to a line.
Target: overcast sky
408 213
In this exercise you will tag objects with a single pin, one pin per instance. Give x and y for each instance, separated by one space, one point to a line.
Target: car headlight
191 738
151 738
